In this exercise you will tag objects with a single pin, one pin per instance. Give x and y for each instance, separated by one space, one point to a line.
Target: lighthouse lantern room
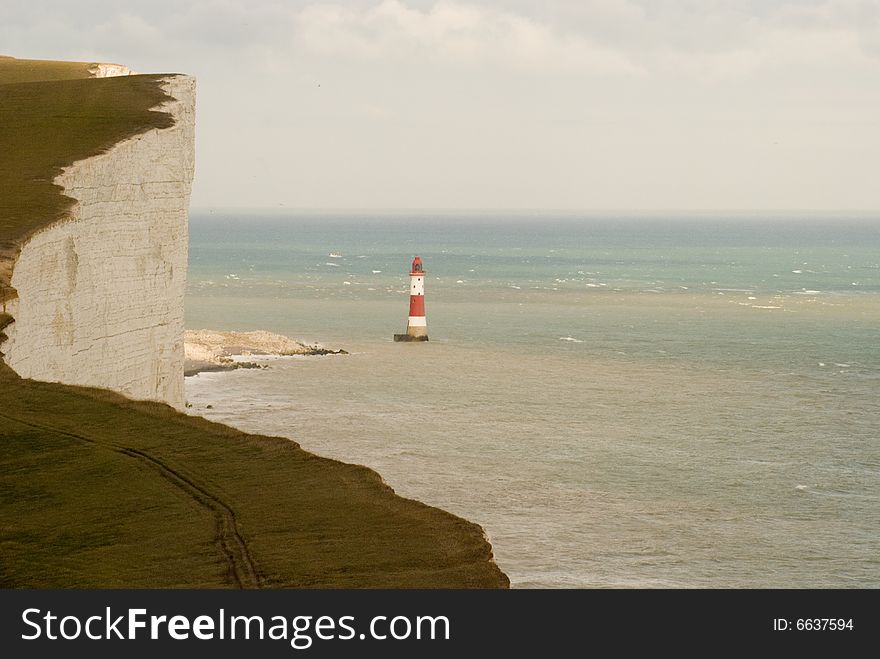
417 326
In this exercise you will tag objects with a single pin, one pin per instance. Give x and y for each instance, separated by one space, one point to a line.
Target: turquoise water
618 401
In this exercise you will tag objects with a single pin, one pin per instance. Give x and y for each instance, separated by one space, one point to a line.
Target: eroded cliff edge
99 490
98 293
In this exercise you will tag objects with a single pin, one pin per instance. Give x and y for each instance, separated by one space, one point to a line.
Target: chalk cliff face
107 70
100 296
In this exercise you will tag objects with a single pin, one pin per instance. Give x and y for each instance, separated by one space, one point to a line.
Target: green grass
29 70
81 507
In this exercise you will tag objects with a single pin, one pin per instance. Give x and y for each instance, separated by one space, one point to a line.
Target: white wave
244 359
335 265
764 306
334 255
570 338
376 272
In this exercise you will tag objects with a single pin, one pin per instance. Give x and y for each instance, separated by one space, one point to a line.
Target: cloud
502 102
714 39
453 33
707 39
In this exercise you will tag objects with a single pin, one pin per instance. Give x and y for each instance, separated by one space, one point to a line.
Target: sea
619 400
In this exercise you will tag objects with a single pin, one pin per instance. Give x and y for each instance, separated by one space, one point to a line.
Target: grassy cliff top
51 115
100 491
30 70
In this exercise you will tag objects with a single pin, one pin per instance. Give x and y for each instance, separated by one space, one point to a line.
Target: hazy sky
568 104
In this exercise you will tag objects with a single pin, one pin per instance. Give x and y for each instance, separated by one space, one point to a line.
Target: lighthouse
417 327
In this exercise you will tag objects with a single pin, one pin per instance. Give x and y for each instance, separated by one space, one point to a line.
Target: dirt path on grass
241 570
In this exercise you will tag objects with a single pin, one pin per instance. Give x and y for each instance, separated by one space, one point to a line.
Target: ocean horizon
619 401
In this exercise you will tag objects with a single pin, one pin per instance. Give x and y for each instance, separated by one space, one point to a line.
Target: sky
503 104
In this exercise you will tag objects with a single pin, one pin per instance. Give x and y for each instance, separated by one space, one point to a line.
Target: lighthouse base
410 337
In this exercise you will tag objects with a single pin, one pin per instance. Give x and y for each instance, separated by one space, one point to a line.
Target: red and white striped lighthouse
417 327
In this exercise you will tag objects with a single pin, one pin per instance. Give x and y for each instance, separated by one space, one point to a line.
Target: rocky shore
211 350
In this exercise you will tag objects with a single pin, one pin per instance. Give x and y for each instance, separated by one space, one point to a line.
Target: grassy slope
99 491
80 505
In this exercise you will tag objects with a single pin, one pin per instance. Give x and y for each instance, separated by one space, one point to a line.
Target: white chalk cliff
108 70
100 295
